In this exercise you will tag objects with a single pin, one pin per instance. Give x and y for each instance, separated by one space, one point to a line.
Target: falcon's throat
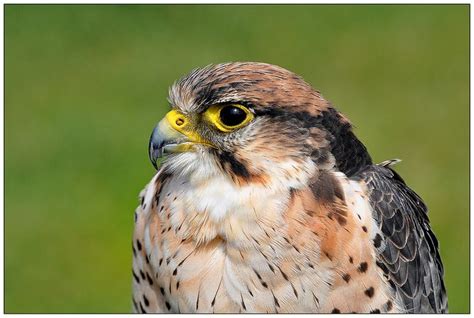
212 203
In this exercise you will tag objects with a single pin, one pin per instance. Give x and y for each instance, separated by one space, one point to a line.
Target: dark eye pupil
232 116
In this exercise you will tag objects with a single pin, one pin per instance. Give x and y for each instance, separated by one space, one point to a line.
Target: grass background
85 84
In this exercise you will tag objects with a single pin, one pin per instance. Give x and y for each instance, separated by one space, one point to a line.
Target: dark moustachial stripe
236 166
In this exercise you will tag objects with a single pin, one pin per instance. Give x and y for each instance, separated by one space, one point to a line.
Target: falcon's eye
227 118
232 116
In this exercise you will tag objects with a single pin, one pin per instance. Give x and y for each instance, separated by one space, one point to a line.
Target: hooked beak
173 134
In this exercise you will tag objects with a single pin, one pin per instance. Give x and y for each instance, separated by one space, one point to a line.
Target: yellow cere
212 115
182 124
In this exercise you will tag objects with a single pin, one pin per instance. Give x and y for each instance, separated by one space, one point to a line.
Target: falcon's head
254 123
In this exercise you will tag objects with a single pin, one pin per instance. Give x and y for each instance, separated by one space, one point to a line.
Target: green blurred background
85 84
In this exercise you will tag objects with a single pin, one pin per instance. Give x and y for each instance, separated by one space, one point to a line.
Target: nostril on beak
179 122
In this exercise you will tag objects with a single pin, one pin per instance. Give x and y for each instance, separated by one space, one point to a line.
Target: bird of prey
266 202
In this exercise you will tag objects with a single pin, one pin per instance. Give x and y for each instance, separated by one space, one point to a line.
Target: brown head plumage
290 120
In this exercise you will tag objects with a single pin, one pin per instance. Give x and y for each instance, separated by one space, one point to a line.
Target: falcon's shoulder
410 258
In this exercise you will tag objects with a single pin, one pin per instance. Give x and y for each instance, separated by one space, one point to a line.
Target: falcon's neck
208 205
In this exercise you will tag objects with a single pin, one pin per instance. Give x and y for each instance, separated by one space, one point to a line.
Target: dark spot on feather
150 281
363 267
264 284
283 274
328 256
369 292
134 251
375 311
311 265
364 228
177 285
139 245
147 260
181 263
389 305
346 277
215 295
250 292
271 267
294 290
243 303
168 306
275 300
145 300
161 261
142 309
335 311
316 300
142 274
351 260
175 271
162 291
197 299
135 276
258 275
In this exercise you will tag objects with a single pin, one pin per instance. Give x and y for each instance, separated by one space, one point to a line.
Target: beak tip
154 149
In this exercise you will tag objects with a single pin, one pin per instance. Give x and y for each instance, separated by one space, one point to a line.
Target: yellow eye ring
228 118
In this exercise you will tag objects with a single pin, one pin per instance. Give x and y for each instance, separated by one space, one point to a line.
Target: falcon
265 201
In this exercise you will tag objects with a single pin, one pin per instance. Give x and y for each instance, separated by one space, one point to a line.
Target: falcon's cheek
173 134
